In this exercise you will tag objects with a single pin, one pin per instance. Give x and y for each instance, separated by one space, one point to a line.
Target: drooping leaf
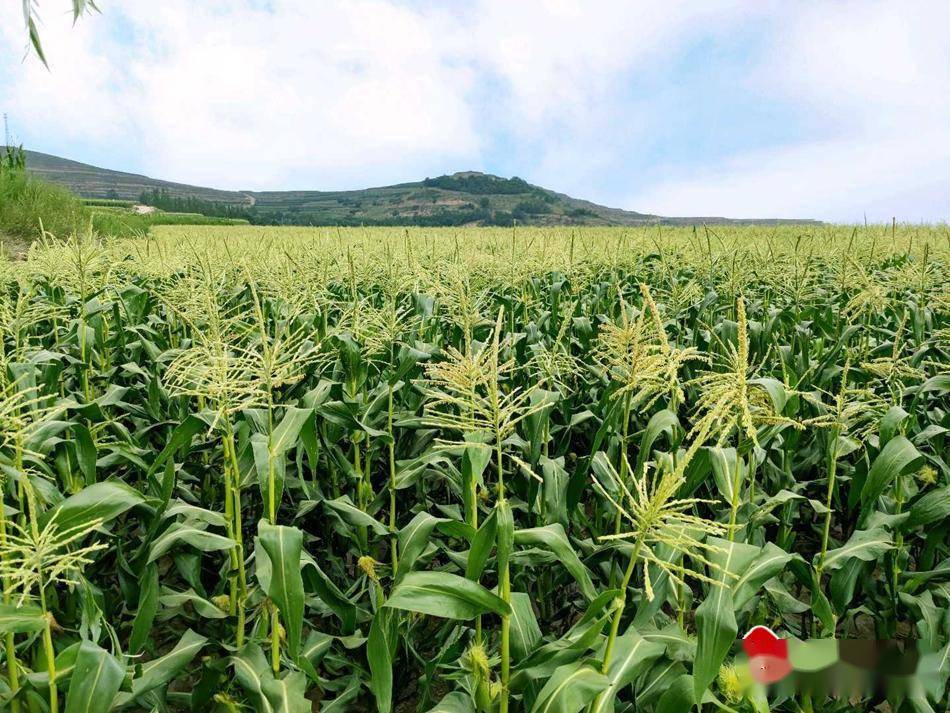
632 654
864 545
554 539
202 606
288 694
21 619
570 688
445 595
317 581
678 696
190 535
351 514
287 431
99 501
160 671
85 452
96 678
455 702
931 507
413 540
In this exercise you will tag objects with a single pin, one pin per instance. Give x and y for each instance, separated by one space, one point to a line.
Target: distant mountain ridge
463 198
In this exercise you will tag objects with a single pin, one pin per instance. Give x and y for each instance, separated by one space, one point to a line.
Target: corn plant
468 470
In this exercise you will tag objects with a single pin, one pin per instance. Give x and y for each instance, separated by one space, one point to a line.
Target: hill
465 198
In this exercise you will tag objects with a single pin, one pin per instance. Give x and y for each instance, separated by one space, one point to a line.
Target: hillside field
465 470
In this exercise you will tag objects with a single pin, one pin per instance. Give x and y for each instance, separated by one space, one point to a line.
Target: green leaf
931 507
555 489
145 614
251 668
554 538
664 675
890 424
99 501
180 438
21 620
445 595
897 458
286 432
283 546
504 535
316 647
413 540
841 587
316 580
474 461
679 696
269 694
570 689
264 461
202 606
35 41
95 680
933 670
661 422
85 452
163 669
351 514
632 654
724 464
820 604
716 632
455 702
525 632
380 661
864 545
192 535
583 636
288 694
195 514
482 545
770 561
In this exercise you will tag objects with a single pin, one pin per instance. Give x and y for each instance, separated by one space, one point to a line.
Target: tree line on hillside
163 200
480 184
536 203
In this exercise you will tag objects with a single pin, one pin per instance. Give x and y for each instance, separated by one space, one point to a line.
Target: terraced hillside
94 182
464 198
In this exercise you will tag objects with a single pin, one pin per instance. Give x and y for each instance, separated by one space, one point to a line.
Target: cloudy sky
830 110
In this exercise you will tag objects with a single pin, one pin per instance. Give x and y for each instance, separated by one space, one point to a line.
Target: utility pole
6 130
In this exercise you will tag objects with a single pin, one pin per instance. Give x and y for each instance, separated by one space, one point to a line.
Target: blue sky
835 110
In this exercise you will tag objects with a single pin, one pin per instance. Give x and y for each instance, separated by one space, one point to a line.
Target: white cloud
344 93
225 93
842 180
873 82
293 93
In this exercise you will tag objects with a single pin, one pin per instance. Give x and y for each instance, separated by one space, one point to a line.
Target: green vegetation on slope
29 205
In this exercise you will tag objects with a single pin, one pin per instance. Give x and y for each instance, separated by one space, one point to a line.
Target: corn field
446 470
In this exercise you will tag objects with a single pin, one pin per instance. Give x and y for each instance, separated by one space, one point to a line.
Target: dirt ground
13 248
